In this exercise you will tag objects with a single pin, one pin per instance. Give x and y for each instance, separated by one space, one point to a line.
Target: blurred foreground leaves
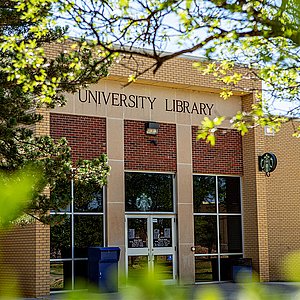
16 190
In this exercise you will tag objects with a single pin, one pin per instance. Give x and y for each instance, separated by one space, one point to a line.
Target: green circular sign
268 162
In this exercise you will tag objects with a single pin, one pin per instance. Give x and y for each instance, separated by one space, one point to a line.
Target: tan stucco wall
185 221
192 107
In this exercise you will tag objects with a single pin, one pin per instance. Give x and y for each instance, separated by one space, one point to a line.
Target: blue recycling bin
103 269
242 269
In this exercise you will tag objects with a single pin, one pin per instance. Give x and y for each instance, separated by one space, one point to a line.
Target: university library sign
134 101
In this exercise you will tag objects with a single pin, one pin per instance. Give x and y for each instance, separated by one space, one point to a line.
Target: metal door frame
151 251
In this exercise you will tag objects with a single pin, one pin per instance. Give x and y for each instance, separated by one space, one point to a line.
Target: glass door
151 246
137 245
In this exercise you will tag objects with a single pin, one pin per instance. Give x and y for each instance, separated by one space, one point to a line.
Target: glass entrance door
150 245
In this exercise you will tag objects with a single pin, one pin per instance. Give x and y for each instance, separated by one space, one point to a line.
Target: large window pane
61 197
88 198
229 194
149 192
60 275
88 232
226 263
137 233
137 267
74 232
206 268
80 274
163 266
162 232
230 234
225 217
205 234
60 236
204 194
57 276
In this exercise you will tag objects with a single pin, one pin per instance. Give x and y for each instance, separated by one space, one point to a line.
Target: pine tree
29 80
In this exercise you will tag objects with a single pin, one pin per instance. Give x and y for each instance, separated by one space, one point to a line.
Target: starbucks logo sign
267 163
143 202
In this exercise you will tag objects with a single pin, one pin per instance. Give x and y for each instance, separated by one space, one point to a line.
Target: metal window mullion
147 213
104 216
174 190
150 243
88 213
205 214
72 228
242 215
218 230
60 259
229 214
231 254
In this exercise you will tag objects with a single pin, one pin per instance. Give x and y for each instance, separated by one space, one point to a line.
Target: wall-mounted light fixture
151 128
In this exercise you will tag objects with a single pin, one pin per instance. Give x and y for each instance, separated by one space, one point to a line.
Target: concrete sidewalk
228 290
269 290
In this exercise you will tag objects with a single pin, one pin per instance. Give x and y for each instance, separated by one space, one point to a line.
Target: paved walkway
228 291
259 291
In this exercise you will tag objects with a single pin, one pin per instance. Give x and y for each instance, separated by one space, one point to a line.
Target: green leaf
16 190
124 3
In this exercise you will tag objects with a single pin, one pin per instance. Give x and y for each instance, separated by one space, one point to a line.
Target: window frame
218 214
72 213
174 195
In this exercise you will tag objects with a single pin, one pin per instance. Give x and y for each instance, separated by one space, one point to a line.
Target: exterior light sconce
151 128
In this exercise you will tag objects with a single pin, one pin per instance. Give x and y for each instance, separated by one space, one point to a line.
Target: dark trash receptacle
103 269
242 269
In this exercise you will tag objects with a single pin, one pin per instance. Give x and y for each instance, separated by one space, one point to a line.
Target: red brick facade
142 154
224 158
86 135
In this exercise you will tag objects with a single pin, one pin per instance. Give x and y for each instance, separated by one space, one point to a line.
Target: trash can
242 270
103 269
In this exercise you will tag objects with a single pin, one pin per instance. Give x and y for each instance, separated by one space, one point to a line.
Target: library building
173 205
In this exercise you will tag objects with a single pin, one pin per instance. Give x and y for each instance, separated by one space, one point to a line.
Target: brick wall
42 259
224 158
141 154
255 200
261 207
179 73
249 196
283 198
43 127
86 135
25 267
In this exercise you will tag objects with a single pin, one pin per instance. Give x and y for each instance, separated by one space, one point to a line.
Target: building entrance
151 246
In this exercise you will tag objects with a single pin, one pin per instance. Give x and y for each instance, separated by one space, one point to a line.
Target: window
148 192
217 226
74 228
